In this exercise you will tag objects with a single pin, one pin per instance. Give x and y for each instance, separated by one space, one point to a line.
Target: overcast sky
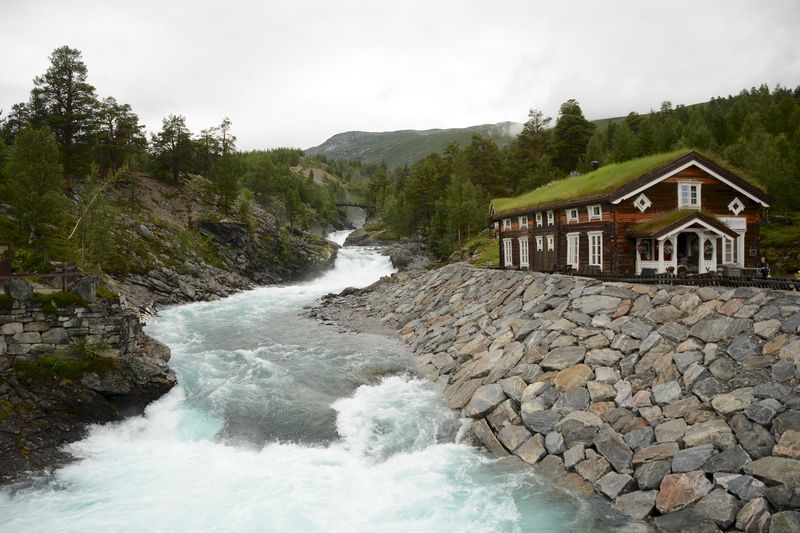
294 73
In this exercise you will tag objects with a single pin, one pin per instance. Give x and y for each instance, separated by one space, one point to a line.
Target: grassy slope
399 148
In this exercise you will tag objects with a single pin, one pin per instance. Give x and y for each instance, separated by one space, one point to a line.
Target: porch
684 243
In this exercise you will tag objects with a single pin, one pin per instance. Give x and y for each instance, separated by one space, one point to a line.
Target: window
508 259
736 206
523 222
551 218
596 248
539 243
642 203
538 219
730 251
506 223
523 252
550 243
573 254
595 212
572 215
689 195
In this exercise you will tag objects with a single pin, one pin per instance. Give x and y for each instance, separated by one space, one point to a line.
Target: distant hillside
407 146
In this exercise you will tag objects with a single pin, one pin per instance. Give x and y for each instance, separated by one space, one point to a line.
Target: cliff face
679 404
67 361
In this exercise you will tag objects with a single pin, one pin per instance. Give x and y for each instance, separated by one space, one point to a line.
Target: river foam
283 424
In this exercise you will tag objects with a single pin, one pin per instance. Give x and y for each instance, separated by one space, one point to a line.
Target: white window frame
642 203
681 203
506 223
574 250
551 218
551 244
508 253
539 243
592 215
523 221
595 248
539 219
570 212
524 252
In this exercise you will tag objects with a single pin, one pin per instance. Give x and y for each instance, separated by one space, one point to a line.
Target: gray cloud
294 73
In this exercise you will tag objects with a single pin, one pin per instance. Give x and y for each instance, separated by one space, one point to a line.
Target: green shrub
52 302
82 358
107 294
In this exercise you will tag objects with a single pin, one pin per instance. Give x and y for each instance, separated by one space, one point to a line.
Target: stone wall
679 404
28 331
46 406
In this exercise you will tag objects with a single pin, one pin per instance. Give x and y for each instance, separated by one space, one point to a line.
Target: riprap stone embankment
680 404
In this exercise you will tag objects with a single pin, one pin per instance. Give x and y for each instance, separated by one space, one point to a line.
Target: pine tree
63 100
570 136
34 180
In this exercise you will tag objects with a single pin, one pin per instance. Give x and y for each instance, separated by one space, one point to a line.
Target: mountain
407 146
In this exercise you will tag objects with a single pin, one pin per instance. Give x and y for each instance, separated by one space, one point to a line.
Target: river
280 423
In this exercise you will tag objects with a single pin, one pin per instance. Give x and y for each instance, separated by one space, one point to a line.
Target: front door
689 252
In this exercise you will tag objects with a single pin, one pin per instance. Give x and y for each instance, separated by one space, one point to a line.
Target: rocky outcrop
679 404
405 254
64 366
243 259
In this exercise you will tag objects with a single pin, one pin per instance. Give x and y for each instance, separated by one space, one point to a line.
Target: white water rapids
279 423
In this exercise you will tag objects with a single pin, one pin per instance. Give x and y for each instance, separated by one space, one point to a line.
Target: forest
64 150
444 198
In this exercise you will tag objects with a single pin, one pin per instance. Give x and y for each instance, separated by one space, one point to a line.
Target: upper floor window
506 223
523 222
538 219
689 195
572 215
551 218
595 212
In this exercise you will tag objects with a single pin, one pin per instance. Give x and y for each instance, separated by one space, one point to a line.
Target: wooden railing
66 276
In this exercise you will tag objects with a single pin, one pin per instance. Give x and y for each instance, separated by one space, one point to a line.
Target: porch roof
675 221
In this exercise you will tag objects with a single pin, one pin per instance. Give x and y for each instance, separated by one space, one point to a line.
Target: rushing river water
280 423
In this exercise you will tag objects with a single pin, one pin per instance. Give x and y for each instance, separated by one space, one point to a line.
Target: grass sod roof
599 182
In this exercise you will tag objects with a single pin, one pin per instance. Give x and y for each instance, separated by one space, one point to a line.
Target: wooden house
662 213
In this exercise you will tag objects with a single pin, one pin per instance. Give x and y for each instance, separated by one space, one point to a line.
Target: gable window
523 222
595 212
539 241
736 206
572 215
689 195
506 223
523 252
642 202
538 219
573 251
508 259
596 248
550 243
551 218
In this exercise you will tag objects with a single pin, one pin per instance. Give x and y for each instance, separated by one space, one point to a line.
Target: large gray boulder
18 290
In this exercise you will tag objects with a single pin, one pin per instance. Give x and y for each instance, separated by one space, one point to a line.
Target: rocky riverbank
243 259
67 361
679 404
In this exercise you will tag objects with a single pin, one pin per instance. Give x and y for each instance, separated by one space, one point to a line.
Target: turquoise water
280 423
